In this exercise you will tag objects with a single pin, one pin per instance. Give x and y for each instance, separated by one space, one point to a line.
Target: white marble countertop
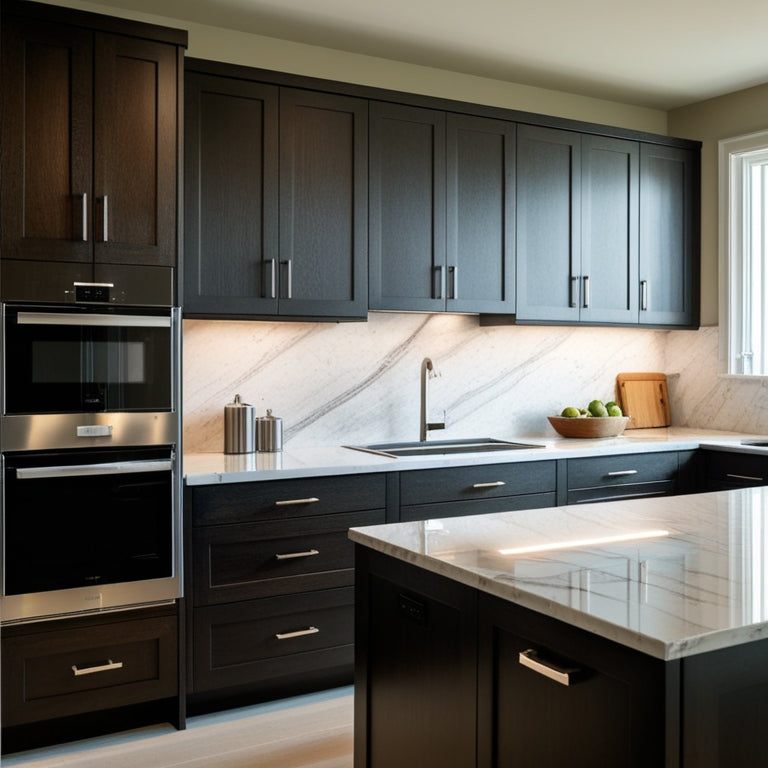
215 468
670 577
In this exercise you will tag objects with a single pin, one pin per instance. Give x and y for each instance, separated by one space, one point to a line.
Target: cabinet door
480 215
548 224
609 230
407 208
323 204
230 207
415 656
47 96
610 712
669 180
135 146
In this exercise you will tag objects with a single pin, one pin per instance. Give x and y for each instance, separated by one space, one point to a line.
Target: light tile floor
312 731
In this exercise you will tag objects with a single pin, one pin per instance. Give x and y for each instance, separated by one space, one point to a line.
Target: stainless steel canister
269 433
239 434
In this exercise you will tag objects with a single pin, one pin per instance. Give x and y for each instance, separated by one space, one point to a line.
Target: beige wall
282 55
709 121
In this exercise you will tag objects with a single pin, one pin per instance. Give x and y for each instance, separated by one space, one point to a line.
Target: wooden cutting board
643 397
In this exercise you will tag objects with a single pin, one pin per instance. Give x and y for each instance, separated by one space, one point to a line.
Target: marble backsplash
339 383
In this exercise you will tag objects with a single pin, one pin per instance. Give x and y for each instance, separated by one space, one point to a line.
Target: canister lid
238 403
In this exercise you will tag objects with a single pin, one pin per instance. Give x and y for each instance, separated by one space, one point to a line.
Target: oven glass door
76 360
87 518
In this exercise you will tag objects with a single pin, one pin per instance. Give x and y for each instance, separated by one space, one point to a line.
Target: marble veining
342 383
667 576
348 383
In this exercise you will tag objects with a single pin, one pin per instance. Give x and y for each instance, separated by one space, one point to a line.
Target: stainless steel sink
756 443
440 447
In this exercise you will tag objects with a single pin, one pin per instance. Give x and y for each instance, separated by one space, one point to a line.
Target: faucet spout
427 372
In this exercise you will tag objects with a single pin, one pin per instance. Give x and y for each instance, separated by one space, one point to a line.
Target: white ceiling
655 53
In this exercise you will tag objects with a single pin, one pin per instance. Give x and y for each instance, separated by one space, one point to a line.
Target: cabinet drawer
255 641
87 668
286 499
478 506
250 560
725 469
607 471
477 482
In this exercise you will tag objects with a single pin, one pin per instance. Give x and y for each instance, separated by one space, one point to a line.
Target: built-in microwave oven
77 376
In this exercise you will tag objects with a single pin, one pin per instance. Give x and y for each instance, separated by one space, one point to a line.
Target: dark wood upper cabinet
609 230
480 214
407 205
89 136
275 200
230 206
47 140
323 204
135 164
669 235
442 211
606 230
548 224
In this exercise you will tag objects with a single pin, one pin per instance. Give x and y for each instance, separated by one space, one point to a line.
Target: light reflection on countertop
696 582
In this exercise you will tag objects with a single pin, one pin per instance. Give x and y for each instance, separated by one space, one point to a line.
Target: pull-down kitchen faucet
427 372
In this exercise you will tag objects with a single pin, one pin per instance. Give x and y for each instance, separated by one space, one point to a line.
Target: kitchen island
627 633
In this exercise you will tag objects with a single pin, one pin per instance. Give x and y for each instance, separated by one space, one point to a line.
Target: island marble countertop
215 468
670 576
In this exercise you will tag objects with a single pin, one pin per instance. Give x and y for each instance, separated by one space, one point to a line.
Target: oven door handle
84 470
82 319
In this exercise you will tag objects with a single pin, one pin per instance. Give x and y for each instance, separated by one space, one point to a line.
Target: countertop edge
219 468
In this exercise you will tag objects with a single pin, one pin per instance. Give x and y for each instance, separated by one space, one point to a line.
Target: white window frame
733 155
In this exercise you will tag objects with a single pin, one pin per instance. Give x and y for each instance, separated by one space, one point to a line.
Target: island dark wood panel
447 675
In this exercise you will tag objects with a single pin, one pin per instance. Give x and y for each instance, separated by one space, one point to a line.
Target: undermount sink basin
440 447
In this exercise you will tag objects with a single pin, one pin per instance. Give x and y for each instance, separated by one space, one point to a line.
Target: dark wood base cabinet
442 679
81 677
270 573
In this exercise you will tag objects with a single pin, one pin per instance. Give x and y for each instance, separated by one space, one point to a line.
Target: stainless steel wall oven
90 443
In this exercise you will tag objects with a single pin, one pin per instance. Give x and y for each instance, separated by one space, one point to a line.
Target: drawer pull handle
745 477
623 473
110 665
497 484
293 502
298 633
530 658
292 555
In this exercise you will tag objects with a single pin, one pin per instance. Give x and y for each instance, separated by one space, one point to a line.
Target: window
744 255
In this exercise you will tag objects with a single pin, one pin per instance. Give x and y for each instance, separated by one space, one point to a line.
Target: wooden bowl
589 426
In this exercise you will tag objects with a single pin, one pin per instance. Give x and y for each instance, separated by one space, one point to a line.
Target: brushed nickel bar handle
294 502
110 665
453 272
529 658
88 470
289 283
293 555
644 295
272 279
586 291
574 284
105 223
438 282
745 477
496 484
85 217
623 473
298 633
